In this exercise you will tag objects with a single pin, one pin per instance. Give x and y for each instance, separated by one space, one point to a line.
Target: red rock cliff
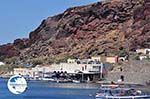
95 29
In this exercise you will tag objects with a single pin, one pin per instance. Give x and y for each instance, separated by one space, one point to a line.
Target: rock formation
95 29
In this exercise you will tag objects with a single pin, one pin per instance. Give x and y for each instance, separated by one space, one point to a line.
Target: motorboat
48 79
76 81
62 80
115 92
58 80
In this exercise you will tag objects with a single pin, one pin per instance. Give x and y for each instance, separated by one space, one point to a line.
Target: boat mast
101 70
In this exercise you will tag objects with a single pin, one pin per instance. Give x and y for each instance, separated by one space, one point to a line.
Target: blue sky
19 17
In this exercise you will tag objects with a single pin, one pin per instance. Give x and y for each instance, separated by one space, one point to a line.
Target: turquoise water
45 90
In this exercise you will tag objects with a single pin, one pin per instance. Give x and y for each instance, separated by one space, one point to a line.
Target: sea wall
130 77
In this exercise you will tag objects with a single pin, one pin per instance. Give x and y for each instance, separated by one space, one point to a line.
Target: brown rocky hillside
95 29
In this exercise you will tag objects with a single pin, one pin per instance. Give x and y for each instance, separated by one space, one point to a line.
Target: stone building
106 59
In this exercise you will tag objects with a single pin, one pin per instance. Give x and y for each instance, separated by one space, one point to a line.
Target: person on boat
122 93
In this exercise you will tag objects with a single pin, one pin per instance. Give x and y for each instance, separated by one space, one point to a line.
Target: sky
19 17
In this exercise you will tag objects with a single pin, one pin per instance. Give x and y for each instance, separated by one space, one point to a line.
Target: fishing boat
115 92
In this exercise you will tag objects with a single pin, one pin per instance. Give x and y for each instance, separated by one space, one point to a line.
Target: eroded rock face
8 51
22 43
14 49
99 28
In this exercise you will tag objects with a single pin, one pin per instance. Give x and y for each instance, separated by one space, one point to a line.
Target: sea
49 90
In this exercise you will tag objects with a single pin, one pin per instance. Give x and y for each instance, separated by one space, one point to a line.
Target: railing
125 97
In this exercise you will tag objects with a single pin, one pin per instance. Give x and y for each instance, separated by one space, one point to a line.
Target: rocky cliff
95 29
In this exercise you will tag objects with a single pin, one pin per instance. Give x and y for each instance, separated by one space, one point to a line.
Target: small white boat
115 92
63 80
48 79
76 81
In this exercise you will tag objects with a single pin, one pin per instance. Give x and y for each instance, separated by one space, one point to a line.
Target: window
82 68
95 67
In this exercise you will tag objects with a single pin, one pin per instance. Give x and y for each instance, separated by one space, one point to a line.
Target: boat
48 79
60 80
76 81
57 80
116 92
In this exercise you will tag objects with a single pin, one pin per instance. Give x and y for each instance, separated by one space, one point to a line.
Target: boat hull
124 97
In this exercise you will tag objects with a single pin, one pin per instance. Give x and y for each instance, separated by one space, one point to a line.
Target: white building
91 69
43 69
78 66
75 68
144 51
86 67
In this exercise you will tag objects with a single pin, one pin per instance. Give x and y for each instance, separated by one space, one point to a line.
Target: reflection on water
47 90
73 85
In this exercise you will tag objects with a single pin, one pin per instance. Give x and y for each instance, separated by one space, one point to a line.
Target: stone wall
130 77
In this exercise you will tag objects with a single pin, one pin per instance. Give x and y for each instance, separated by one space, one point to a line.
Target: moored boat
116 92
63 80
48 79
